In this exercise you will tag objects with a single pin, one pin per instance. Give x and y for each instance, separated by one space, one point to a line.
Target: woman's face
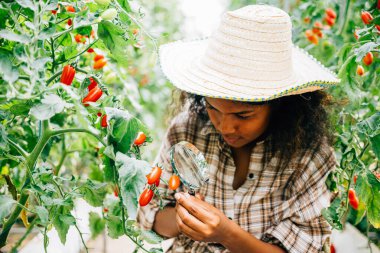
238 123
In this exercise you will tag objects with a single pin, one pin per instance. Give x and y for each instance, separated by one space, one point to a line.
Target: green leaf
3 139
26 4
331 214
113 37
9 73
62 223
11 36
43 214
124 129
156 250
6 205
364 49
368 191
97 224
50 105
150 237
114 226
93 192
132 180
70 51
370 126
375 142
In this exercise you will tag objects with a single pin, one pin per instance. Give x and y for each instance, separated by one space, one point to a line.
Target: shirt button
251 175
230 218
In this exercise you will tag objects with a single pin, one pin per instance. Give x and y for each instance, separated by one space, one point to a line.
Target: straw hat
250 57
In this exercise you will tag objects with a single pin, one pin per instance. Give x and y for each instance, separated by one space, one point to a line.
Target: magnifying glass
190 165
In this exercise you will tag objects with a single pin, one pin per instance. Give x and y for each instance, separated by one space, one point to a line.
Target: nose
226 126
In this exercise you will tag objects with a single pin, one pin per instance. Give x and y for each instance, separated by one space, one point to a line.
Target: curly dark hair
298 123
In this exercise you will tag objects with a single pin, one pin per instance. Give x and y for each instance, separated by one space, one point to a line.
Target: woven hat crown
252 43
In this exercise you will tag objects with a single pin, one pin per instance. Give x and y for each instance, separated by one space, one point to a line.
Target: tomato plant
57 99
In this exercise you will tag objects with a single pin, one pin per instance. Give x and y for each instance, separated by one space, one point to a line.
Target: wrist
230 235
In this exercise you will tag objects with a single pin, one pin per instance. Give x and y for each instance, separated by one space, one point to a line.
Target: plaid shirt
279 207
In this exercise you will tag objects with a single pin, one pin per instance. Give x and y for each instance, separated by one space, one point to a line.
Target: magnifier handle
191 192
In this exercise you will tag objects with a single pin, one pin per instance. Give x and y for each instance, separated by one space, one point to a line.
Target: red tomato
92 96
140 139
157 182
318 25
360 70
306 20
92 84
154 175
145 197
331 13
368 59
329 20
69 22
100 64
80 38
98 57
174 182
103 123
70 8
105 209
68 74
99 114
355 178
352 199
90 50
366 17
332 248
54 11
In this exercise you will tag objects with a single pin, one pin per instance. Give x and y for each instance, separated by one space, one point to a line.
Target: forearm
165 222
238 240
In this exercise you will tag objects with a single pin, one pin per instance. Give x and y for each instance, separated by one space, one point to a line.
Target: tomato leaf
151 237
332 215
132 180
93 192
370 126
114 226
124 129
8 35
113 37
368 191
62 223
50 105
97 224
375 142
6 205
42 214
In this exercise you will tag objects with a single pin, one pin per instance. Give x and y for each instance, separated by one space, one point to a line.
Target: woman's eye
242 117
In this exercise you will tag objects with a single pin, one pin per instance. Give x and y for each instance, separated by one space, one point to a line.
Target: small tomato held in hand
174 182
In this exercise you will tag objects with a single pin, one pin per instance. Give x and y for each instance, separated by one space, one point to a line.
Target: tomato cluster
316 32
367 19
153 181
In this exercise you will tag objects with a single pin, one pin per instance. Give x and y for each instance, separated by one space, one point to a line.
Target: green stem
84 51
52 55
18 148
18 243
53 77
345 17
81 237
78 130
30 163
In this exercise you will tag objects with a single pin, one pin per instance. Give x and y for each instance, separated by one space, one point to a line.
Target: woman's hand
199 220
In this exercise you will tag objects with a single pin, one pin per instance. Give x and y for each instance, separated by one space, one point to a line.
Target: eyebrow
242 112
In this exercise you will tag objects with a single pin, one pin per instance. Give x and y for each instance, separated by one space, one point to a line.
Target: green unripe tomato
109 14
103 2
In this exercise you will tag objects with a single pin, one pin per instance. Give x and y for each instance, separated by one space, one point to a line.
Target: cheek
254 128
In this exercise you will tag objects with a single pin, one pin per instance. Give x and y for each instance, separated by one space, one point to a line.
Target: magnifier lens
190 165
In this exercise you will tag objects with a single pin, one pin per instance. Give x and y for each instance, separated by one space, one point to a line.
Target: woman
257 114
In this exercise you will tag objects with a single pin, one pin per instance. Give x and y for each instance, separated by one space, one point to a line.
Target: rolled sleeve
299 224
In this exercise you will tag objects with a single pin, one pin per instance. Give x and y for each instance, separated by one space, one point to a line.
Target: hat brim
181 63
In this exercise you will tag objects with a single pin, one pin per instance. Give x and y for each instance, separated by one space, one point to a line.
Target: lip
231 140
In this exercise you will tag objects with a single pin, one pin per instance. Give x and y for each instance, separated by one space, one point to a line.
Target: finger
190 220
194 206
186 229
200 196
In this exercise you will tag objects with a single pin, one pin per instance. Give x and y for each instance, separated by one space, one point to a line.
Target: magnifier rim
196 152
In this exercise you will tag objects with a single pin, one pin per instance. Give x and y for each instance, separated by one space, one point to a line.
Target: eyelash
237 115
